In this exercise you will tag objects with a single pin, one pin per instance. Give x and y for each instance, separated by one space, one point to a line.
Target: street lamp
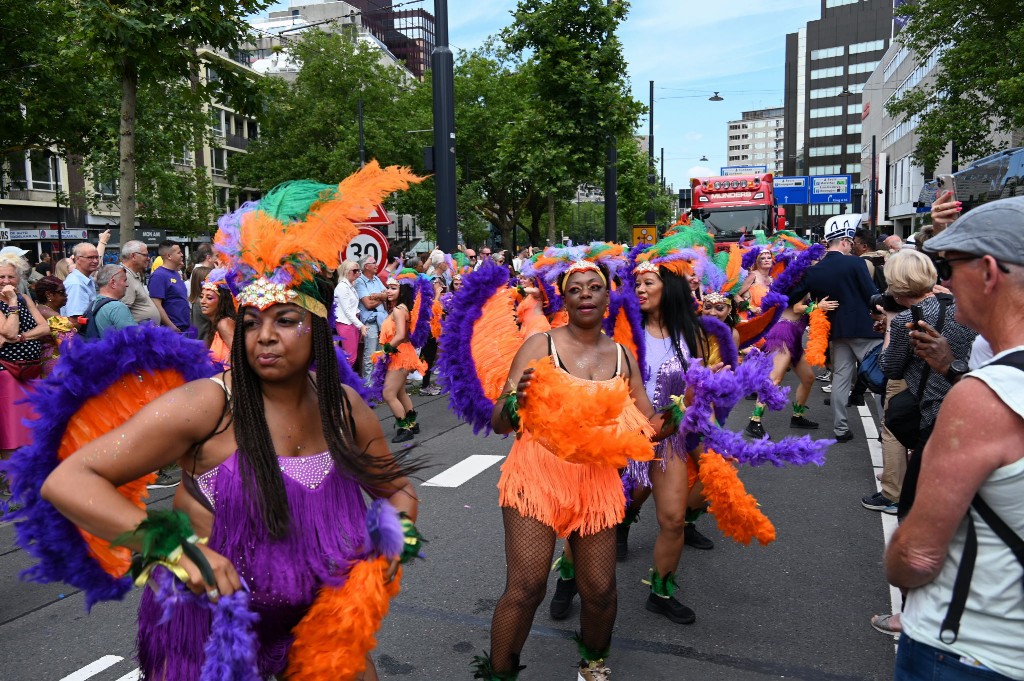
704 158
716 98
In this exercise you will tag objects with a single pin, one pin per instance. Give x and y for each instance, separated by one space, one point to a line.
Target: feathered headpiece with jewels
275 247
680 254
216 279
555 263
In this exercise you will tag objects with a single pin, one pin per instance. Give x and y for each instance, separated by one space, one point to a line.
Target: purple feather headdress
455 363
425 291
623 301
750 258
379 373
556 261
84 370
795 270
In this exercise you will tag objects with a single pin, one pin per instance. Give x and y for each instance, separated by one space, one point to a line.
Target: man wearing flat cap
960 551
843 277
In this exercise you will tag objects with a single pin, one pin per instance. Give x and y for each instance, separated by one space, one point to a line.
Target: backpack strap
926 372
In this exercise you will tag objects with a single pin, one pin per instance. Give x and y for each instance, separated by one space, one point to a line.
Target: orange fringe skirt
568 497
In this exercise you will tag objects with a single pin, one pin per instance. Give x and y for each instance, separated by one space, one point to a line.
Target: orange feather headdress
275 247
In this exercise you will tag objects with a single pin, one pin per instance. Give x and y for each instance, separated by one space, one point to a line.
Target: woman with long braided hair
276 455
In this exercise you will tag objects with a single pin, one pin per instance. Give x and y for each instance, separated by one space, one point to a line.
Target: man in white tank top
977 447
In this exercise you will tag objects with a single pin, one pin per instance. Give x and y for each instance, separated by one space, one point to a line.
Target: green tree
582 96
156 41
310 126
978 86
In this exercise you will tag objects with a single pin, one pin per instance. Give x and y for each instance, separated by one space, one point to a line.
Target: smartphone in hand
945 184
917 314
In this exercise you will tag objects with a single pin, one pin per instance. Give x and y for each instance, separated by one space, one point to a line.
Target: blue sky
735 48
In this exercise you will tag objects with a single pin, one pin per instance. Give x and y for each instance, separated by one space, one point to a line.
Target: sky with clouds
689 50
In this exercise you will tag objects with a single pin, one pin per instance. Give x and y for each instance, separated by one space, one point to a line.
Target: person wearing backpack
107 311
960 551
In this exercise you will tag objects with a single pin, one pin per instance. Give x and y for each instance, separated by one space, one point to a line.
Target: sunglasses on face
717 307
945 271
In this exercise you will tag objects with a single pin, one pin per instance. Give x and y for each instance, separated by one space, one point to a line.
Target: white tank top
992 626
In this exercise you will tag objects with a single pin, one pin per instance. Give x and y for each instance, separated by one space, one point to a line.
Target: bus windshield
731 224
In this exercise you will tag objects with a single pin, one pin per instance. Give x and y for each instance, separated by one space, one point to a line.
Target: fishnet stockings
529 547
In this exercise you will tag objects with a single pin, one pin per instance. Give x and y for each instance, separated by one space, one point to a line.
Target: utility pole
611 190
443 79
362 143
650 157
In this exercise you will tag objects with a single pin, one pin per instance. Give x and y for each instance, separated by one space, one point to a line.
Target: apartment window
894 63
106 188
864 67
760 124
853 168
824 170
254 129
821 93
759 157
827 111
44 170
222 198
854 129
185 159
828 52
827 131
855 109
840 3
734 137
830 72
760 135
854 149
219 162
734 127
870 46
759 145
217 124
826 151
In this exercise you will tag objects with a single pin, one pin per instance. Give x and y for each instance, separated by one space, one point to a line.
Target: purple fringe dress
787 334
326 535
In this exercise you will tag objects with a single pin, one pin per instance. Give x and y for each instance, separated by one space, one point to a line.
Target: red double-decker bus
736 205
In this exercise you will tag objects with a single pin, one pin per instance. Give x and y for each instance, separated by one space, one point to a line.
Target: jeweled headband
263 293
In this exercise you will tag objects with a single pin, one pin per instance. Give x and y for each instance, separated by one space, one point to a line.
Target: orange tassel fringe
735 511
580 427
333 639
817 339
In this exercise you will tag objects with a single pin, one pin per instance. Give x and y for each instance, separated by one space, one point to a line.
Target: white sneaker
594 671
413 377
826 388
826 377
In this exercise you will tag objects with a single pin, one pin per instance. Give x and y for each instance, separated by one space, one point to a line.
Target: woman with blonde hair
346 311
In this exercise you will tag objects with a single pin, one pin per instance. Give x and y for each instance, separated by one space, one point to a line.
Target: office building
757 139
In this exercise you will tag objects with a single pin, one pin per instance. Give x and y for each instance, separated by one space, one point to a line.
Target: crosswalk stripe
130 676
464 470
93 668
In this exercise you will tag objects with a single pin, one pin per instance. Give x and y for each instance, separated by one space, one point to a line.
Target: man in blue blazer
843 277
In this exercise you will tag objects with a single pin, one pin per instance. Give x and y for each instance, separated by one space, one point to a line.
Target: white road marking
889 522
93 668
131 676
464 470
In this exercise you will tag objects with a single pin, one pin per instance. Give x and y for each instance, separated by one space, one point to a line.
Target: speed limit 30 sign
370 242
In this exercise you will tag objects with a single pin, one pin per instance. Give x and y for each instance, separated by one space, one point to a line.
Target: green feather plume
291 201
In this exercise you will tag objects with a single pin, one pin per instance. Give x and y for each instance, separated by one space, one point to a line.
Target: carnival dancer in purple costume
785 339
276 455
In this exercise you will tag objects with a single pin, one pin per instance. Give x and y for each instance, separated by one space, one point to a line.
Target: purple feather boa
375 391
720 392
85 369
386 537
722 333
455 362
796 269
774 304
425 290
750 258
230 650
623 301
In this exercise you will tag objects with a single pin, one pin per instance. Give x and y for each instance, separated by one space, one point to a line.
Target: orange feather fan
333 639
735 511
817 338
733 268
495 341
798 244
437 311
584 423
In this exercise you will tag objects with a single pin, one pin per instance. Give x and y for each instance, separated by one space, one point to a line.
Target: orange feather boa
817 339
580 425
333 639
735 511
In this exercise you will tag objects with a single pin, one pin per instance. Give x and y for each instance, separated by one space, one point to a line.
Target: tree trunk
551 220
129 92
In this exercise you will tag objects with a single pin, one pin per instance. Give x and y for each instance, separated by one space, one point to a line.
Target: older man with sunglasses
960 551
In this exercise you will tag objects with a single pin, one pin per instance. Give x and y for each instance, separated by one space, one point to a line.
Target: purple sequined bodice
309 471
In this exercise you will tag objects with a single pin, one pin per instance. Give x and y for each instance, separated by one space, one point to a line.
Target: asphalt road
796 609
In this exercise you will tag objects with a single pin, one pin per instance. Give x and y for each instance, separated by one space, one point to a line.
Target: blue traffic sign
831 189
791 191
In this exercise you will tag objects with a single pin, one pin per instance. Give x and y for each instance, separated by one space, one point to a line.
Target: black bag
903 411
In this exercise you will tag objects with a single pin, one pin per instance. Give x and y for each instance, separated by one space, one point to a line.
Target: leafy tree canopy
979 84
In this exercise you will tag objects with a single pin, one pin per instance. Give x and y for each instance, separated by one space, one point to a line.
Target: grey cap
995 228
